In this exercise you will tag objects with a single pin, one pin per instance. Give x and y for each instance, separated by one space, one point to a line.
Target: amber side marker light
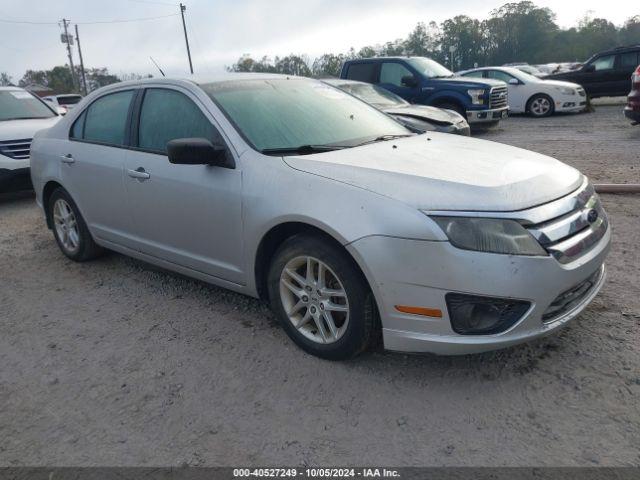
425 312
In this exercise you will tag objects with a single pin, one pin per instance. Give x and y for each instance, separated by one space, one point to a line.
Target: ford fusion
350 225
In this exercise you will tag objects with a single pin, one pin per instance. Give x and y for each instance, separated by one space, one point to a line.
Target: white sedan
533 95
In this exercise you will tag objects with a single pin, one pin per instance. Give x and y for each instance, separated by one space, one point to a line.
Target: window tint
167 115
629 61
392 73
604 63
106 120
364 72
499 75
78 126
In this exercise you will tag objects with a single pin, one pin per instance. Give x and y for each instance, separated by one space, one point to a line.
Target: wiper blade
384 138
302 149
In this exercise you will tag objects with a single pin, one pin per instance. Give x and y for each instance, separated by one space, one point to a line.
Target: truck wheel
321 298
540 105
455 107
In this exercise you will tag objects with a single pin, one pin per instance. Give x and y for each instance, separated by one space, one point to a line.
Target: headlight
489 235
476 96
566 90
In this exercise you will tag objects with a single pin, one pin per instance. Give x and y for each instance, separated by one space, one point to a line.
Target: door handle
68 158
139 174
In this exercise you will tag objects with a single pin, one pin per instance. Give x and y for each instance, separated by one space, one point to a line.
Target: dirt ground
115 362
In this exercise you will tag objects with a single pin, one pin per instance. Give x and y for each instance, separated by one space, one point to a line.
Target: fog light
476 315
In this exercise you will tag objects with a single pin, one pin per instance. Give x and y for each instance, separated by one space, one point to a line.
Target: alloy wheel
66 226
540 106
314 299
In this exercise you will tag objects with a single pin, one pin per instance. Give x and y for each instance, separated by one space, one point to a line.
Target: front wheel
321 298
540 105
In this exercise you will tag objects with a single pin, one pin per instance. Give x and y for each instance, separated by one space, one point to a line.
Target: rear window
70 100
363 72
629 61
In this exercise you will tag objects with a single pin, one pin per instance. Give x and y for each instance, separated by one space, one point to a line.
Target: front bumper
570 103
421 273
13 180
487 116
461 128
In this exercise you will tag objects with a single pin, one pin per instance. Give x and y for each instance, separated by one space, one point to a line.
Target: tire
455 107
314 309
540 105
69 228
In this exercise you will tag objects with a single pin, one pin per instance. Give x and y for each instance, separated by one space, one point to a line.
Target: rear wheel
540 105
321 298
69 228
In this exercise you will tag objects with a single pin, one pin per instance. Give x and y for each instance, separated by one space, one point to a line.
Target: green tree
328 64
466 35
293 65
5 80
630 33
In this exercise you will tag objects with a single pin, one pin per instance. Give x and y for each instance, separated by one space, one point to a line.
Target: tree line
59 79
515 32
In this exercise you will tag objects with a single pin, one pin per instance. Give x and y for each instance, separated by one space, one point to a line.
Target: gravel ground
115 362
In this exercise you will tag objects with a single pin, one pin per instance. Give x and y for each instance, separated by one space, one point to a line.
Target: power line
154 3
27 22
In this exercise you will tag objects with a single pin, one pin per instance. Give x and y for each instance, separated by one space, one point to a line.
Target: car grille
570 299
574 233
498 97
16 149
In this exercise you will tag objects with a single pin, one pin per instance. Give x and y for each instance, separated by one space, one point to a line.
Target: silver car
351 226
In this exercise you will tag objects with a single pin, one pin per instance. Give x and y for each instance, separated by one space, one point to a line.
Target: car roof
622 49
504 69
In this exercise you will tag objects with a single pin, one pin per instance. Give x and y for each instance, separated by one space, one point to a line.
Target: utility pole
186 39
84 79
65 23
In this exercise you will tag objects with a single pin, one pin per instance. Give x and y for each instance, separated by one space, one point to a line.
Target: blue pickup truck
426 82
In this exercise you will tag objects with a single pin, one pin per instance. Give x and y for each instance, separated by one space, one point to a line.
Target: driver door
189 215
391 78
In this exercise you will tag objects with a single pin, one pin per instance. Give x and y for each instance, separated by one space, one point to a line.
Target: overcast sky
222 30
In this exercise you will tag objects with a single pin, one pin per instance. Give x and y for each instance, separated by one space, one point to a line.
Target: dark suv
606 74
423 81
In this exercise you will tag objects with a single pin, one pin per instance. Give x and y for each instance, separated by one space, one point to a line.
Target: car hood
471 82
23 129
436 171
560 83
423 112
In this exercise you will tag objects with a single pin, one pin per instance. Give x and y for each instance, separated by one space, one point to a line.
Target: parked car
530 69
291 190
21 115
63 103
423 81
632 110
536 96
605 74
420 118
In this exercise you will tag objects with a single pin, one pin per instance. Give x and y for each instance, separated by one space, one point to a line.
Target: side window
392 73
106 119
628 61
363 72
167 115
478 74
77 130
499 75
604 63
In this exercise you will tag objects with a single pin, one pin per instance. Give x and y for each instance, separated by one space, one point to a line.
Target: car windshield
304 115
20 104
429 68
376 96
524 76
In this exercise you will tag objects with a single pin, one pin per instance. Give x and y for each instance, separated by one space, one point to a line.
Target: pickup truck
423 81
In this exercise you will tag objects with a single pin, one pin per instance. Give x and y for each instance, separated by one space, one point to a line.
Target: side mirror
198 151
409 81
590 68
514 81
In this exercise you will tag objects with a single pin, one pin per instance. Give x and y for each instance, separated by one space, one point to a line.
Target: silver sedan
350 225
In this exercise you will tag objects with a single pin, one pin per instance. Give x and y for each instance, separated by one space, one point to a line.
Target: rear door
190 215
92 164
625 66
394 76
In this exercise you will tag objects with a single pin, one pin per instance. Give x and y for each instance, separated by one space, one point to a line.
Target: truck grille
570 299
572 234
16 149
498 97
